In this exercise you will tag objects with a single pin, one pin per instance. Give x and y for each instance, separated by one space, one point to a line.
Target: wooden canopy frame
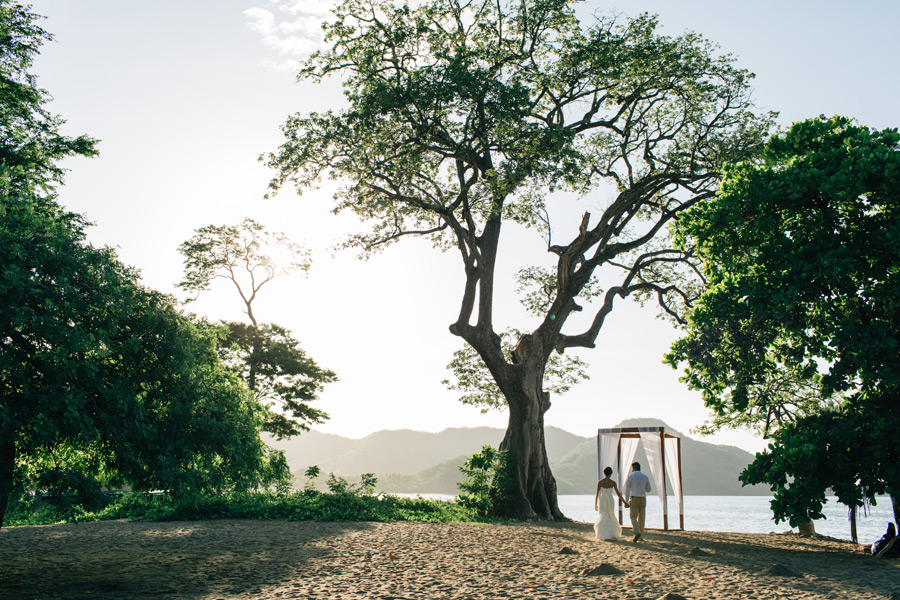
635 432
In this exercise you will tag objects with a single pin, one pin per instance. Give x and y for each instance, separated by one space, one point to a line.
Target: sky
185 95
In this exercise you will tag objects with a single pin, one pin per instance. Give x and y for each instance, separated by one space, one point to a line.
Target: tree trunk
895 501
252 358
853 534
807 529
7 470
535 489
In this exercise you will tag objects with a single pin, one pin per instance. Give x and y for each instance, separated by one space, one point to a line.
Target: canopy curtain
673 468
627 450
653 448
608 447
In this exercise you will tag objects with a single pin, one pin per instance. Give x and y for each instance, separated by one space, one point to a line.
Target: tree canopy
798 332
31 144
286 379
247 254
463 118
104 381
101 380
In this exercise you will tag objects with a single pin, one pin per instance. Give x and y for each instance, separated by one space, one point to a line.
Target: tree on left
101 380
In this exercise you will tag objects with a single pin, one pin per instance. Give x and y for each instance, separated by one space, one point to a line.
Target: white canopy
616 448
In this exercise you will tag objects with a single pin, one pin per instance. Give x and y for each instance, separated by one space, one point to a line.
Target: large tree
101 380
465 116
279 373
798 333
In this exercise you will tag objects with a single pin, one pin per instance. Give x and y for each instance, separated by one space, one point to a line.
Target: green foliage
798 333
101 380
104 380
367 484
300 506
246 254
488 485
30 142
850 451
339 485
479 388
286 380
311 474
47 509
462 115
22 512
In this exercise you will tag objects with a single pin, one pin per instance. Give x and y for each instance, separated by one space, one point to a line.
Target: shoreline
400 560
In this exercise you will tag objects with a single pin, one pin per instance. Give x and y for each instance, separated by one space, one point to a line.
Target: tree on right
798 332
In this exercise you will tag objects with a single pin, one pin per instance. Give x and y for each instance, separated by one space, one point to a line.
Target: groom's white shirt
637 484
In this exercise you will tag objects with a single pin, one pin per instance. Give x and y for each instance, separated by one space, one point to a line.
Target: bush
47 509
355 504
487 485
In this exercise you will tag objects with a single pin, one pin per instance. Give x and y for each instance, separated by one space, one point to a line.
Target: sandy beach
278 559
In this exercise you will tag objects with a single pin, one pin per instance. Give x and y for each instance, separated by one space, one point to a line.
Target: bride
607 526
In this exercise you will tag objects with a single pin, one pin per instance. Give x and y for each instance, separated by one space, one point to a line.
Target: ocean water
741 514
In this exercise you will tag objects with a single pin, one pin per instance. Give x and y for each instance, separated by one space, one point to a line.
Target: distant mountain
401 451
406 461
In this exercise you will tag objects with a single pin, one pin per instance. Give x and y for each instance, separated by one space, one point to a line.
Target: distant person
607 526
637 486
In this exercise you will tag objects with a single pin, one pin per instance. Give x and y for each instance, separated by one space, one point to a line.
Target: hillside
408 461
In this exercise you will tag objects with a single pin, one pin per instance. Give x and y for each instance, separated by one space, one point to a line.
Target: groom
637 486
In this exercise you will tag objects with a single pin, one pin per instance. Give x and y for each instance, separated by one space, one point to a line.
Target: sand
277 559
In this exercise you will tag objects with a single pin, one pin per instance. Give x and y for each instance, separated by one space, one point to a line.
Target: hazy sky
185 95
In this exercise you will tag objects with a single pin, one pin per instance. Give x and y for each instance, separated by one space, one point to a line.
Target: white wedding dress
607 526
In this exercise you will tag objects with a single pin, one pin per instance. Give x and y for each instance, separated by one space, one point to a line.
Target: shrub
348 503
487 485
311 474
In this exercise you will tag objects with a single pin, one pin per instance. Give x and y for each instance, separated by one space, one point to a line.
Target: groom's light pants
637 509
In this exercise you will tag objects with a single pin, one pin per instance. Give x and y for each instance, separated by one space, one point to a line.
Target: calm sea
742 514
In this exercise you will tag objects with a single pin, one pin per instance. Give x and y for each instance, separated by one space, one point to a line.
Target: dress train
607 526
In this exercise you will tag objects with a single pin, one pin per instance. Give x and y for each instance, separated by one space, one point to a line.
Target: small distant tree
337 484
367 483
798 333
277 370
311 474
473 381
